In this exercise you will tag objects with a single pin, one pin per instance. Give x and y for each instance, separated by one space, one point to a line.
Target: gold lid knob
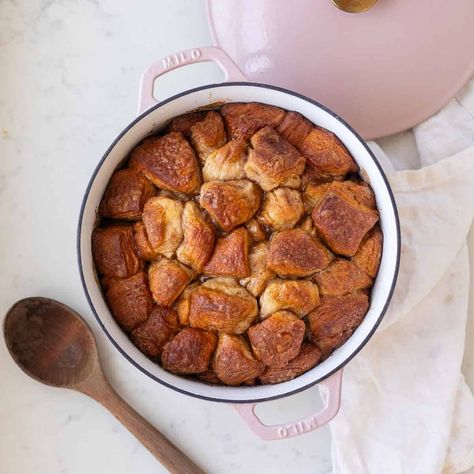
354 6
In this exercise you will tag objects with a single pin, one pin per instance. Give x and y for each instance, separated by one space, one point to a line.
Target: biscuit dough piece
233 361
230 203
168 162
273 162
282 208
260 274
125 196
370 252
298 296
307 358
208 134
189 352
243 120
277 339
198 238
221 304
113 250
162 220
227 162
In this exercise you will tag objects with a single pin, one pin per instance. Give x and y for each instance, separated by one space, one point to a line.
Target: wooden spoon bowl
54 345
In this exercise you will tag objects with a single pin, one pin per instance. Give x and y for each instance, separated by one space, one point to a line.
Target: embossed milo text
299 427
180 58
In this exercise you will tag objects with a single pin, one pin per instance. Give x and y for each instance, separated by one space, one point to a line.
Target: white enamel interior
153 121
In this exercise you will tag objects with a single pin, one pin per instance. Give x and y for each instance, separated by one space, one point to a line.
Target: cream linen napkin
405 405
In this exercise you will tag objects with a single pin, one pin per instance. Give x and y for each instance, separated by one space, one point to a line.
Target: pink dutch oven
153 117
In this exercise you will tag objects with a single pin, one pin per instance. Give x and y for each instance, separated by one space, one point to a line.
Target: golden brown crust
360 191
282 208
183 123
230 257
260 274
227 162
199 237
342 221
230 203
114 252
162 219
326 154
151 336
223 305
298 296
341 277
129 300
294 128
334 320
243 120
126 195
233 361
307 358
183 304
168 279
208 134
189 352
256 231
277 339
370 252
313 194
273 162
142 244
168 162
296 253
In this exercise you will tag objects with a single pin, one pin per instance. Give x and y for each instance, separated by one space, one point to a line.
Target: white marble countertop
68 73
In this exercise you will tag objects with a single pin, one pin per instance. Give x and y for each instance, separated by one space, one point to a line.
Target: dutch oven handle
304 425
231 71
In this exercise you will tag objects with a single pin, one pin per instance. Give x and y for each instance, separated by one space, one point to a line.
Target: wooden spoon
55 346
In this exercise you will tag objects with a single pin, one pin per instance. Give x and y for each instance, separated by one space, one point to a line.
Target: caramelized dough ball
226 162
243 120
230 257
233 361
126 195
341 277
162 220
282 208
199 236
335 319
114 251
184 303
342 221
307 358
298 296
154 333
221 304
208 134
256 231
313 194
273 162
307 226
230 203
361 192
326 154
294 128
277 339
296 253
189 352
168 279
260 274
142 244
129 300
370 252
168 162
183 123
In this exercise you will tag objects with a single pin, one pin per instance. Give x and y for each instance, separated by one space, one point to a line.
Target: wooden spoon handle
167 453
